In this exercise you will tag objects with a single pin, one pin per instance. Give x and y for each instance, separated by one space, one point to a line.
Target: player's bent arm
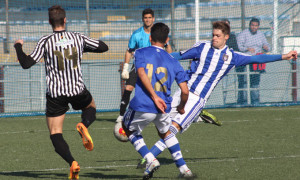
160 103
184 97
26 61
102 47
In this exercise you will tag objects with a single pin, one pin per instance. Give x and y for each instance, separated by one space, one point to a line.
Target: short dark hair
57 15
226 20
254 20
223 26
159 32
148 11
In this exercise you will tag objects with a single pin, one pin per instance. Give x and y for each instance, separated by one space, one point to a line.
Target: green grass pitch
252 144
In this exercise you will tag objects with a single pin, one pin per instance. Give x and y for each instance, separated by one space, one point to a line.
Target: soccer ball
120 133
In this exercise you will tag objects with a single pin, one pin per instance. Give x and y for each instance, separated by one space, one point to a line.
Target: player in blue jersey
212 60
138 39
156 71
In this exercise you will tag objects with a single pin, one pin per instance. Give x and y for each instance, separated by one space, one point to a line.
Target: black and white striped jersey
62 52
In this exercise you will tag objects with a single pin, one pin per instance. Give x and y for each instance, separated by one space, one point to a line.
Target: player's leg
180 122
133 124
130 85
207 117
164 129
86 103
55 114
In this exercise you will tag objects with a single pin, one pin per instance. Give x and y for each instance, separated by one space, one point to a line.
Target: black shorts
60 105
132 77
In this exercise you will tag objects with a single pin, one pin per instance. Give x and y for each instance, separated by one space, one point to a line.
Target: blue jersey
162 69
139 39
210 65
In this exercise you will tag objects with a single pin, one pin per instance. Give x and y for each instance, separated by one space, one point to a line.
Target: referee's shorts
132 77
60 105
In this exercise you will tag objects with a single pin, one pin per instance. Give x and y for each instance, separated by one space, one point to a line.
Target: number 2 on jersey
60 58
158 86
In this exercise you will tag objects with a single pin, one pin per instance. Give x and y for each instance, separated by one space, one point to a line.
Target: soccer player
62 52
138 39
212 60
152 101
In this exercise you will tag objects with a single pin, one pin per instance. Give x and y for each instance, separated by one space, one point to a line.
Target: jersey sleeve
241 59
181 75
190 53
139 60
39 49
132 43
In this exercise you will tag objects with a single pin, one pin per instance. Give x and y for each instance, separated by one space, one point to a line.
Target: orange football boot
86 138
74 170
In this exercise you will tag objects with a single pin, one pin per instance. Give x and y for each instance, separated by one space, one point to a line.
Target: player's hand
160 104
125 73
19 41
180 109
290 55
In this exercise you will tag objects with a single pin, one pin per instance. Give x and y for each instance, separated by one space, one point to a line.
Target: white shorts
192 109
137 121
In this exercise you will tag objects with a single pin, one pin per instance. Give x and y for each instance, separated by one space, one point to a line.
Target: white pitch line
134 165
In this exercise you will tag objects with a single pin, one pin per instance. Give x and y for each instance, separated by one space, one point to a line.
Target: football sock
88 116
138 142
61 147
174 148
160 145
124 102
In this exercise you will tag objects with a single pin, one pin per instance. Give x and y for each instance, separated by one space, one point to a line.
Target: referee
62 52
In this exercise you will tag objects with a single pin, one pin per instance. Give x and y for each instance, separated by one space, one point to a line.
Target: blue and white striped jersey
210 65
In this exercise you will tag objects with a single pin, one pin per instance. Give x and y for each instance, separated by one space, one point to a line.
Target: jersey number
60 58
158 86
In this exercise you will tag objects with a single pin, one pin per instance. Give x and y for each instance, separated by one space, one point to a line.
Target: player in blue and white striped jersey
156 71
212 60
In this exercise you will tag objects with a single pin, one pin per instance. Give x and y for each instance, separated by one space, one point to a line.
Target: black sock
124 102
62 148
88 116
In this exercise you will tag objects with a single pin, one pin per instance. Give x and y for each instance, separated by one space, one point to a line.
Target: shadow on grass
105 176
167 161
35 174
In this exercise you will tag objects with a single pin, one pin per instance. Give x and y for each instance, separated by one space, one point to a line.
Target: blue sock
174 148
138 142
160 145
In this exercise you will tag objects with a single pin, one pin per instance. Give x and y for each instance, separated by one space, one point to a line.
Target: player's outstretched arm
160 103
25 60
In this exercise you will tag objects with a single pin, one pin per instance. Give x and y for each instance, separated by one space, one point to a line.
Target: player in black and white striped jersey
62 52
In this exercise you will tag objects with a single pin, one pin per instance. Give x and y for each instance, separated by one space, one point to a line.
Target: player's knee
174 124
88 116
